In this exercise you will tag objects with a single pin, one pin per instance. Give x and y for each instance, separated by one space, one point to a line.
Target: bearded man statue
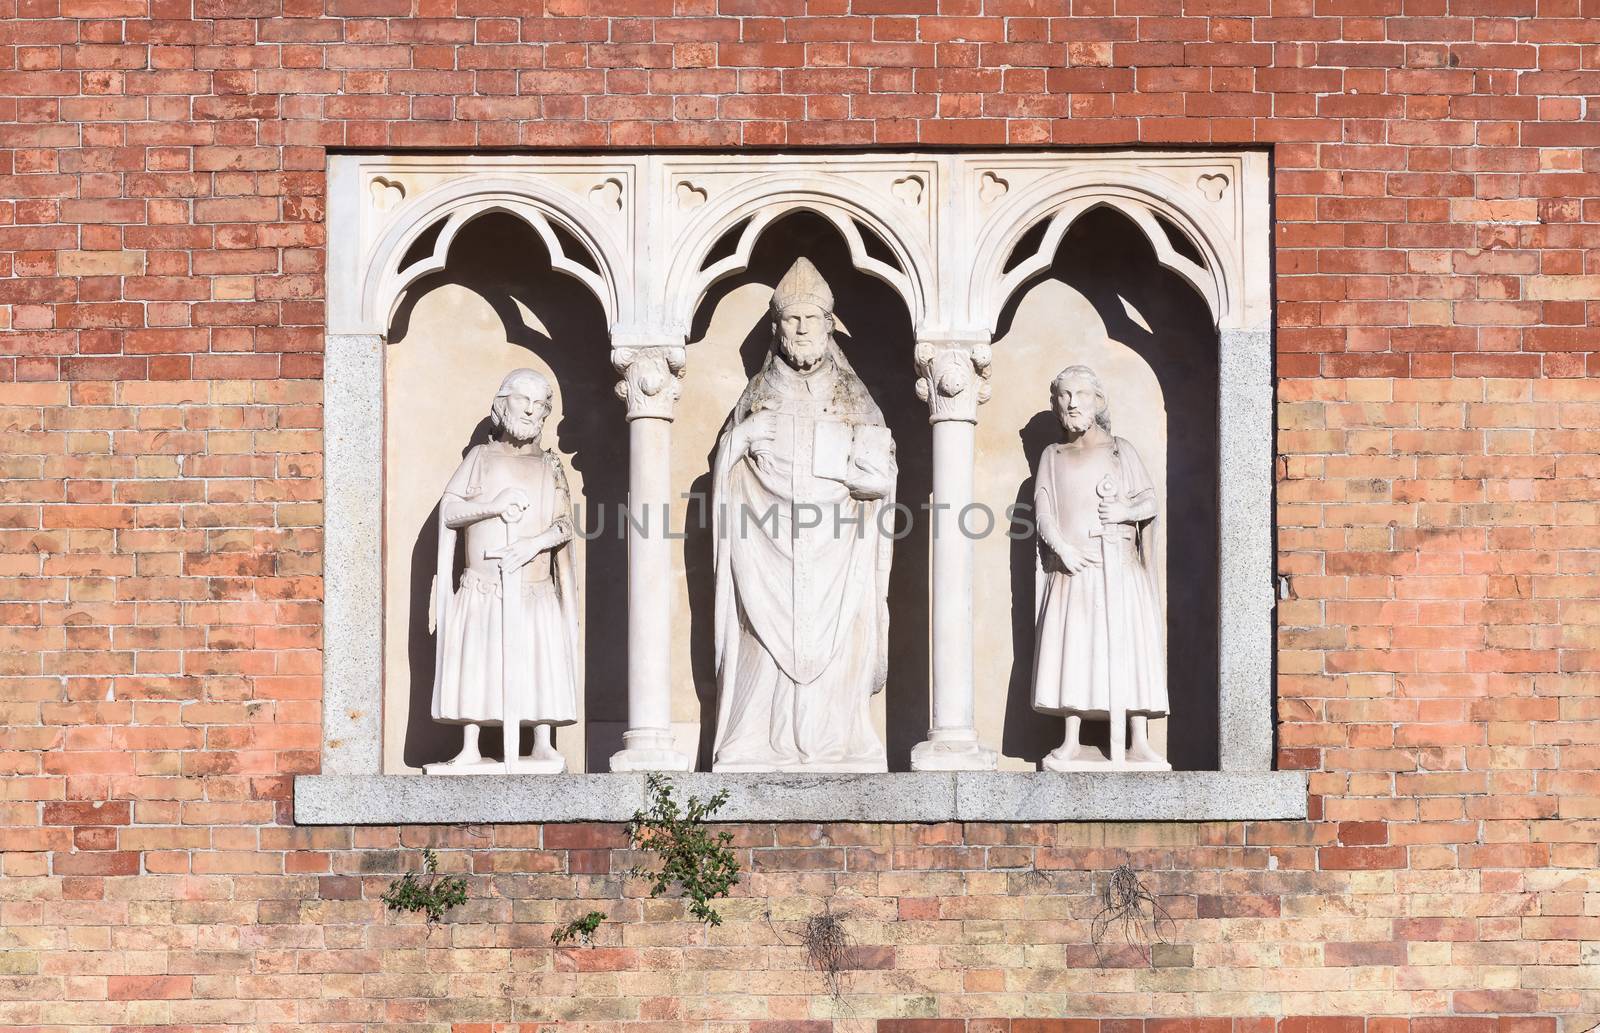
1099 648
507 650
803 473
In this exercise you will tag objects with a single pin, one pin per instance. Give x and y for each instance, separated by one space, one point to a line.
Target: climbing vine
827 948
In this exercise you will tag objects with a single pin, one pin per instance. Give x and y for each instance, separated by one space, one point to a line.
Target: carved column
649 386
953 381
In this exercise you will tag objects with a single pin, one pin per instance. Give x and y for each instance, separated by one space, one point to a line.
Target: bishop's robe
802 615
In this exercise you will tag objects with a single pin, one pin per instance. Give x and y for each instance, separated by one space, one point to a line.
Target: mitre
802 283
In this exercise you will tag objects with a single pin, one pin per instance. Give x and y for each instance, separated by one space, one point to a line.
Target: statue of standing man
507 645
803 470
1099 647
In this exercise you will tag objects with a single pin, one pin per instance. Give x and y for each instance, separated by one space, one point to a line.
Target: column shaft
649 580
952 385
953 706
649 387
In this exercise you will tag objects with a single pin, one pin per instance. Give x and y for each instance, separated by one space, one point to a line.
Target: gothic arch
541 206
1143 198
844 205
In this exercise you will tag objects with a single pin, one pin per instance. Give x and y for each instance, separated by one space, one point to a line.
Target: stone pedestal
518 766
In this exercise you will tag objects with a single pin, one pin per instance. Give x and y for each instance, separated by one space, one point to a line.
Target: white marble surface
949 223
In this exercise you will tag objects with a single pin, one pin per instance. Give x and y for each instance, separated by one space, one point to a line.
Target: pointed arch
544 209
1145 199
766 200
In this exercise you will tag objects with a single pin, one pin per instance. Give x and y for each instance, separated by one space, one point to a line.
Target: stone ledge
900 797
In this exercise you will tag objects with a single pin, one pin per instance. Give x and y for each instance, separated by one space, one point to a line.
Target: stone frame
950 221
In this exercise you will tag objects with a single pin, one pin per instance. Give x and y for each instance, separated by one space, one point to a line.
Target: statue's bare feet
1073 753
1142 752
544 758
470 761
544 749
469 749
1139 750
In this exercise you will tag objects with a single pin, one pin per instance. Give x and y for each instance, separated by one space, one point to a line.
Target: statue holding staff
1099 644
507 649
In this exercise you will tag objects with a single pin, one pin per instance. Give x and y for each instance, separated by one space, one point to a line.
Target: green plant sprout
579 929
432 894
698 863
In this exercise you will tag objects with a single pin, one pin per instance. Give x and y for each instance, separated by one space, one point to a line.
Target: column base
649 751
953 754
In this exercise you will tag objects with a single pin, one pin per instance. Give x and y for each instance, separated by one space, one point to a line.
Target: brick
1336 858
116 812
100 263
149 988
1364 954
95 863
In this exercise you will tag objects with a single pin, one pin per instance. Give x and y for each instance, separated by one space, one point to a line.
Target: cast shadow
1027 734
1107 259
876 336
574 344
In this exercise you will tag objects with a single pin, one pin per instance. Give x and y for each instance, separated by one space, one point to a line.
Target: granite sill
913 797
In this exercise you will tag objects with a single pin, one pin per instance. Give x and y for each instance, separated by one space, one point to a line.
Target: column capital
953 375
650 370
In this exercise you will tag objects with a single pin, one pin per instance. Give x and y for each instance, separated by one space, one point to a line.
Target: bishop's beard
805 355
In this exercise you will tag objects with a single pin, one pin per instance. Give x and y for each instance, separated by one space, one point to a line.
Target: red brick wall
161 257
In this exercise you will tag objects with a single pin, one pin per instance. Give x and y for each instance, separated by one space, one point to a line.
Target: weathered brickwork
1437 180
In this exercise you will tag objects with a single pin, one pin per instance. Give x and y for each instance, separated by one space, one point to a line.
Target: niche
496 306
1105 303
730 337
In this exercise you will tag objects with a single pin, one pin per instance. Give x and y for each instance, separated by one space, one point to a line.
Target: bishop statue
803 471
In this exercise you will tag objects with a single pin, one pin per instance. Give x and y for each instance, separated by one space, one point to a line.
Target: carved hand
510 504
519 552
1115 511
559 532
868 477
867 485
1073 560
756 435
